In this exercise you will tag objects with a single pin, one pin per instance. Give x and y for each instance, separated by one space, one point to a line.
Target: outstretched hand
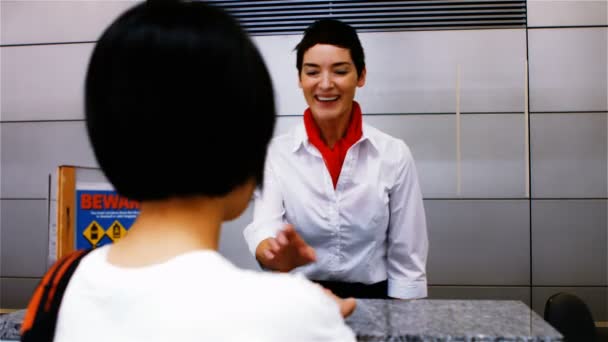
285 252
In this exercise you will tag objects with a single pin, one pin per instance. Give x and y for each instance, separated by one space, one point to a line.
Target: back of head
332 32
178 102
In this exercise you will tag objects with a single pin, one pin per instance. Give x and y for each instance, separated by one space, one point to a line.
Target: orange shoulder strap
43 308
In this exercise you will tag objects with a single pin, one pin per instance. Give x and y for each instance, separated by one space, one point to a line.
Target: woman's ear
361 80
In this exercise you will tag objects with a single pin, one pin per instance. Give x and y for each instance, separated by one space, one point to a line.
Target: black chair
571 317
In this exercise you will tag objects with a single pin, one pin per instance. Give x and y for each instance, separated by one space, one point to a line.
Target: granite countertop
10 324
376 320
448 320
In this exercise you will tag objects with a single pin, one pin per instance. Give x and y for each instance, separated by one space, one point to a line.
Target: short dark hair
178 102
332 32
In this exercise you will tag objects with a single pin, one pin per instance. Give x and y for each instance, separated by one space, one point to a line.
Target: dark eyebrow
341 64
312 65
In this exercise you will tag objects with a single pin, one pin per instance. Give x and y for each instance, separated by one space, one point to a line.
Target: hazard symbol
116 231
93 233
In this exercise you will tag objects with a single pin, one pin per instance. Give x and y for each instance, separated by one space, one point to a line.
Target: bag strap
43 309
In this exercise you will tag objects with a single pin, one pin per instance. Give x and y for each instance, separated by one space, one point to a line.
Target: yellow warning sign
94 233
116 231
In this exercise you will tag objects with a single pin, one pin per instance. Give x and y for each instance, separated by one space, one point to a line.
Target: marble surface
448 320
10 324
376 320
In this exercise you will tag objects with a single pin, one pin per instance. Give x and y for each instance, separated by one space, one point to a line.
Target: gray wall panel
43 82
569 155
286 123
24 243
32 150
569 242
492 148
480 292
434 157
411 72
481 242
280 59
27 22
232 242
567 12
596 299
15 293
568 69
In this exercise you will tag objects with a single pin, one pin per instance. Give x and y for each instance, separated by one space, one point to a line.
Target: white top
197 296
372 227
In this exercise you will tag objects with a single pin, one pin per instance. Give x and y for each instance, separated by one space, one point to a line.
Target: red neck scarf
334 158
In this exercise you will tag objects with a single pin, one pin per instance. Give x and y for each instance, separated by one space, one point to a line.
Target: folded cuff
407 289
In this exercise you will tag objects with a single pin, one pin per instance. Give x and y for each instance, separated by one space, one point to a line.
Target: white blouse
368 229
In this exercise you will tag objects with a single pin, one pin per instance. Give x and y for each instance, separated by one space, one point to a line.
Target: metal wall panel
569 155
568 69
43 82
24 243
478 242
569 243
36 22
32 150
567 12
15 293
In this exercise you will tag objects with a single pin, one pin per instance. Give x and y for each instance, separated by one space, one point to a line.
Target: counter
448 320
378 320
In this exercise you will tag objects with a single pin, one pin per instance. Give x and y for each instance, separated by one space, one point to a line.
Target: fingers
308 253
267 251
286 251
282 239
289 231
273 245
268 254
292 235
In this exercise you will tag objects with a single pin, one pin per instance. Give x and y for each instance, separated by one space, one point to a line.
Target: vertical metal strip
458 148
526 133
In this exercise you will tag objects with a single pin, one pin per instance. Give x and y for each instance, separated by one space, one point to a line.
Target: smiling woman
341 202
329 80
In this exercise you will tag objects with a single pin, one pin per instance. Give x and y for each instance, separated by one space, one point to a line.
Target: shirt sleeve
407 234
268 211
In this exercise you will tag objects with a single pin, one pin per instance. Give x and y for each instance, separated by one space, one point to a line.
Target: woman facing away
180 80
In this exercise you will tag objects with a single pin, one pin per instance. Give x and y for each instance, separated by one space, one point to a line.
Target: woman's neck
333 130
165 229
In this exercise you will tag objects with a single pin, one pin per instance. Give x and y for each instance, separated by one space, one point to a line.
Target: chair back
571 317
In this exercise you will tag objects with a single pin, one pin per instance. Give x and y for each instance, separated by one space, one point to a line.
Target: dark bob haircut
178 102
332 32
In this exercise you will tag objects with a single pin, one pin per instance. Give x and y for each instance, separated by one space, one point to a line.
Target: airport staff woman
340 201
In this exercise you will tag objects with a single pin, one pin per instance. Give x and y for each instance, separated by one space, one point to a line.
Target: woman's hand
285 252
